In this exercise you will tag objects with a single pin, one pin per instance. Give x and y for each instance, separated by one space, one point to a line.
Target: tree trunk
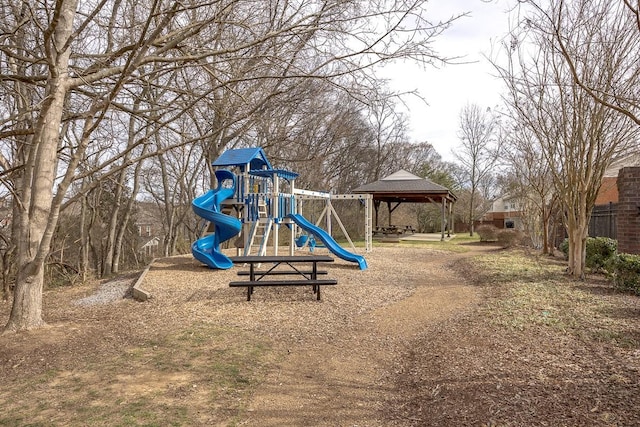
26 312
471 213
37 219
115 224
126 217
545 234
84 241
35 226
577 250
93 255
7 264
107 262
576 257
546 212
117 248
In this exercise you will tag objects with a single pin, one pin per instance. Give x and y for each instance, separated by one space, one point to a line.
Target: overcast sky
450 88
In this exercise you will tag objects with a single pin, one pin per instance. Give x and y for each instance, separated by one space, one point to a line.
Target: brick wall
629 210
608 192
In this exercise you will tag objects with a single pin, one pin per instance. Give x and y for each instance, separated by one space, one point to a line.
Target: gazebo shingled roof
405 187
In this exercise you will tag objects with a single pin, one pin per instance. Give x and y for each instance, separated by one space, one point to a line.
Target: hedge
626 274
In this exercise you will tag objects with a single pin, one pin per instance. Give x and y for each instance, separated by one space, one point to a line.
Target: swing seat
303 239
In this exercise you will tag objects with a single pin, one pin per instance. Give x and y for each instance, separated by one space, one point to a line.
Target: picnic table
292 266
394 230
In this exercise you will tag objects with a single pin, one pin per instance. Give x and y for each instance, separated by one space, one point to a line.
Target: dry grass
536 294
542 349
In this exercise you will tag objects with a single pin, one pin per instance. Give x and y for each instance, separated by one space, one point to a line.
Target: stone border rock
137 292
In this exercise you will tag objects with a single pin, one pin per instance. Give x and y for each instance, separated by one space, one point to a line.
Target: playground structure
253 201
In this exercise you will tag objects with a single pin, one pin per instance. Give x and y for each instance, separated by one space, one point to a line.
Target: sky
449 88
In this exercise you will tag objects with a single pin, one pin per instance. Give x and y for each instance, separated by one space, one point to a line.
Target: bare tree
319 135
69 65
529 180
172 180
390 130
478 156
578 136
612 46
428 163
336 141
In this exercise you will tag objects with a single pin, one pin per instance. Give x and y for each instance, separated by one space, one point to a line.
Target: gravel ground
108 292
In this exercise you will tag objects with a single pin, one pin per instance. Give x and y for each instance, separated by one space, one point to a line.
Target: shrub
601 252
509 237
487 233
627 273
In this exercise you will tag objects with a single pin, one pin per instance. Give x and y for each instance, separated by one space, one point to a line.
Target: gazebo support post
450 222
444 218
391 209
443 214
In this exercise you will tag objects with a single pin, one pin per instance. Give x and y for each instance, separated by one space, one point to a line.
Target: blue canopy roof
282 173
256 157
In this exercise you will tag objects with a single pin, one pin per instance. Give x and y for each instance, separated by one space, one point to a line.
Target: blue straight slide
207 249
328 241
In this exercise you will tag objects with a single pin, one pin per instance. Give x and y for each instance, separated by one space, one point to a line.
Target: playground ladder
265 237
262 209
264 226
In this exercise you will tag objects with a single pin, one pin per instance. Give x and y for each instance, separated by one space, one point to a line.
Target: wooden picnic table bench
308 277
261 273
386 230
409 229
393 230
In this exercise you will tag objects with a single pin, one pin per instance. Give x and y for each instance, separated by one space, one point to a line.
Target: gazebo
405 187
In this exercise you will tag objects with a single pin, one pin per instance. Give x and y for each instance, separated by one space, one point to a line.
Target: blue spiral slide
328 241
207 249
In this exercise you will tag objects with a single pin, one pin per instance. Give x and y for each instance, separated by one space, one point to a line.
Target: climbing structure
257 202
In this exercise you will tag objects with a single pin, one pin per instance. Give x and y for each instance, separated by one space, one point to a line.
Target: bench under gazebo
405 187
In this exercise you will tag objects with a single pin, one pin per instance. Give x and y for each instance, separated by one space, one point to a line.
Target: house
505 212
148 219
608 192
603 221
150 246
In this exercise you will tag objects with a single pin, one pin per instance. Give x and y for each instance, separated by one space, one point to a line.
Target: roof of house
627 161
149 241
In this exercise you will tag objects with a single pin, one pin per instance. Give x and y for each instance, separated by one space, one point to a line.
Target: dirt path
345 380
